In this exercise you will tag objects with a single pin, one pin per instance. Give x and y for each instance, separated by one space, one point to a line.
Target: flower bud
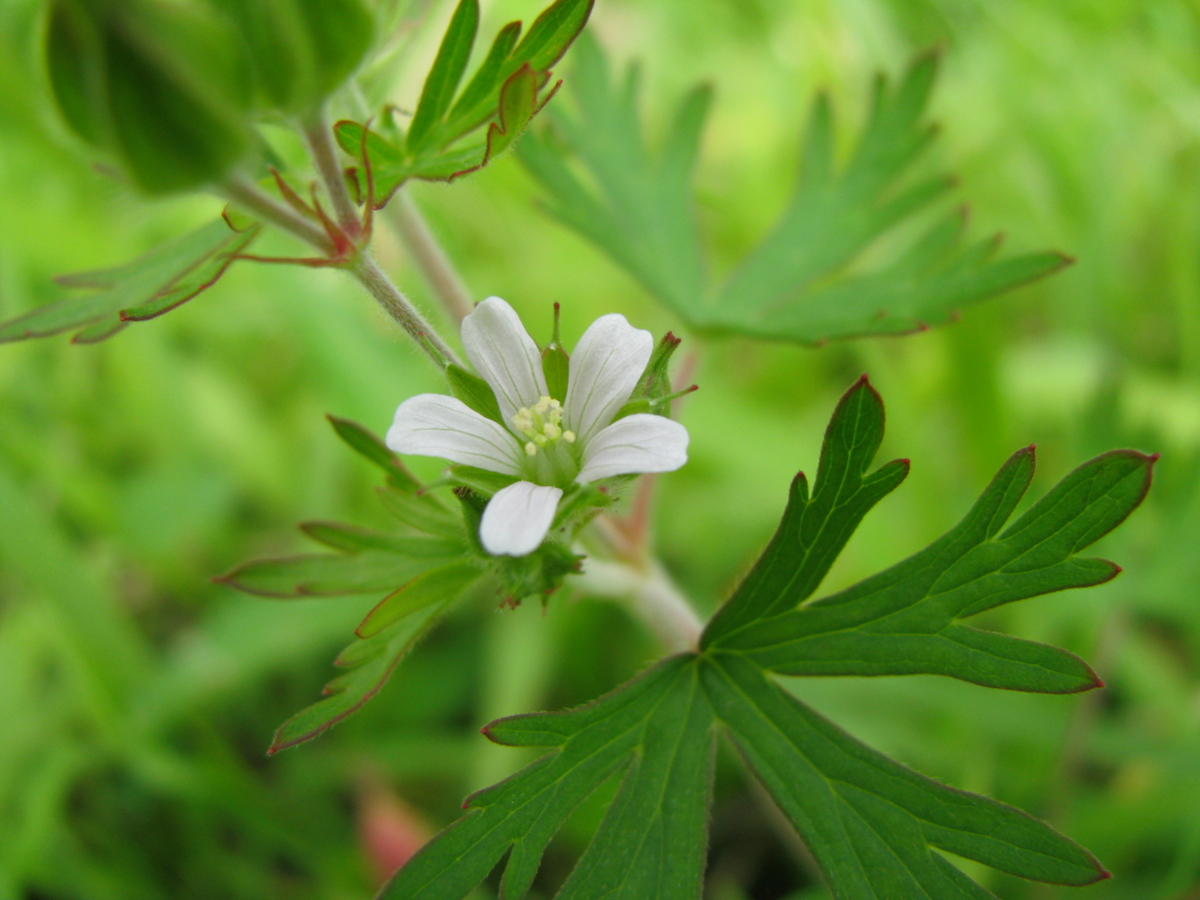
300 50
160 85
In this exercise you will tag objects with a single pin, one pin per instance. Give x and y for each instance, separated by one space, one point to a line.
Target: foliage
506 90
806 281
872 824
139 696
143 289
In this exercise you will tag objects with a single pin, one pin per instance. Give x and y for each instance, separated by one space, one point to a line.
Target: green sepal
579 503
473 391
655 383
540 572
472 506
556 366
634 407
481 481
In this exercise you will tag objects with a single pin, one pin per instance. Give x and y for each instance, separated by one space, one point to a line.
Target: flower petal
504 355
637 443
517 518
605 368
437 425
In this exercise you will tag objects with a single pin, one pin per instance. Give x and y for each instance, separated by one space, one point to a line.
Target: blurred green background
137 697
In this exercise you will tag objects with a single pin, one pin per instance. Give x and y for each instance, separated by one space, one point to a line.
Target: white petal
517 518
504 355
605 368
437 425
637 443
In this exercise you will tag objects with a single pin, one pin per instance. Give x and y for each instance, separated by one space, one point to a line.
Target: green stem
653 597
324 156
253 199
367 271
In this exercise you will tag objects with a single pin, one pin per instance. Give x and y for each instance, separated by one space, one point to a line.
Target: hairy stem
442 276
653 596
253 199
367 271
324 156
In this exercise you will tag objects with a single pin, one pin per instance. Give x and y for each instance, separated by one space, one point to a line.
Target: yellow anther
569 437
540 424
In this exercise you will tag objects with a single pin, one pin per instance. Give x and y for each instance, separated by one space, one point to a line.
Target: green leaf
368 445
446 73
372 659
656 732
643 216
814 530
871 823
808 281
479 480
905 620
353 539
421 511
326 574
506 91
876 828
143 289
422 591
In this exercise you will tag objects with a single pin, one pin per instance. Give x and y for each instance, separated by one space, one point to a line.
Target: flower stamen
541 425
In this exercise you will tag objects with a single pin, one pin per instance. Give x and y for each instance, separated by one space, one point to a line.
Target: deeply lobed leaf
806 281
506 90
905 619
656 731
143 289
423 566
875 827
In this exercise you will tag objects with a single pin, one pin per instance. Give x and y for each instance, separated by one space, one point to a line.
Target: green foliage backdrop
137 697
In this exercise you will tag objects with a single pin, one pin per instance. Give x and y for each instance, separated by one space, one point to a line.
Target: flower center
541 425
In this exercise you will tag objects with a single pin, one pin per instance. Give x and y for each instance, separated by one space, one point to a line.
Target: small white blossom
547 444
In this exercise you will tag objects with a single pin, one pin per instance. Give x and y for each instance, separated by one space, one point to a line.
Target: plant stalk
253 199
653 597
434 263
324 156
384 290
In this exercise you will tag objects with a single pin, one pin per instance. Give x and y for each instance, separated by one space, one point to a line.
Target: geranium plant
545 445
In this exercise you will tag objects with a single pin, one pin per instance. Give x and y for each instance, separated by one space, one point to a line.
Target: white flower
548 445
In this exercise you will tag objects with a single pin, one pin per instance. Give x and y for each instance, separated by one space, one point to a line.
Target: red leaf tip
1155 457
